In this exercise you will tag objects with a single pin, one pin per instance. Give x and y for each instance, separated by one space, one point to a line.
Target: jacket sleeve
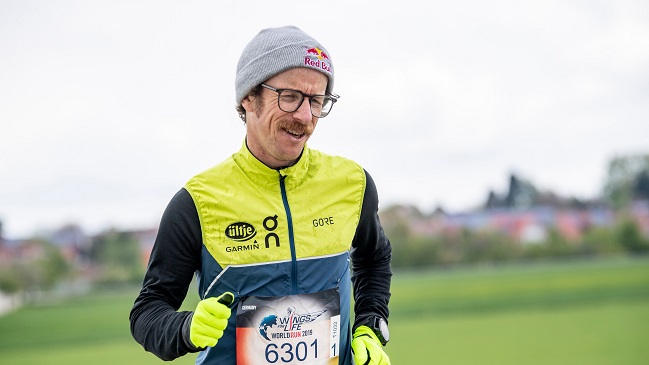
155 321
371 254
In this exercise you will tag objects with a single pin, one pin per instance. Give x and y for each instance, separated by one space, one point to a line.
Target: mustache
298 127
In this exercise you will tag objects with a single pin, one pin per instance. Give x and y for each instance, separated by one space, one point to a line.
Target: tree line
110 258
626 184
466 246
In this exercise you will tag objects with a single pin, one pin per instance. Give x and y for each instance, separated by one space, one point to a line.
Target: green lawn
570 313
607 333
74 331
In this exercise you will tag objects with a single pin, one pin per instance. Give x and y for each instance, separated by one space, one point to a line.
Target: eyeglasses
291 100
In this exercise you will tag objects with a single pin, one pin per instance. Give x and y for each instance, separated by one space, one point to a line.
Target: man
271 232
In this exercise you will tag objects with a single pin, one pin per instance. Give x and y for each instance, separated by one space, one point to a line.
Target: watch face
383 328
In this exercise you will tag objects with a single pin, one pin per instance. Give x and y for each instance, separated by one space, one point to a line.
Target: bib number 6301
289 352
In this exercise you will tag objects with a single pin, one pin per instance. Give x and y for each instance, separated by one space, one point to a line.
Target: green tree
9 280
641 185
118 255
630 237
600 241
40 270
54 266
521 194
626 180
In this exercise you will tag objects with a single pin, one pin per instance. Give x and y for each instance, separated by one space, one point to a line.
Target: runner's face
275 137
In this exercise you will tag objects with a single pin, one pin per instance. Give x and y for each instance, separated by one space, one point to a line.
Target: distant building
640 213
531 225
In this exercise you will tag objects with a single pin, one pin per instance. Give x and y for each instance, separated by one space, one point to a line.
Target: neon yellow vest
245 217
276 233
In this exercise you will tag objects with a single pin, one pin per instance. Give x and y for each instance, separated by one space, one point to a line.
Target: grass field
594 312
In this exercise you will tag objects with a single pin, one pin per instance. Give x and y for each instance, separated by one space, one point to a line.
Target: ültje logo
240 231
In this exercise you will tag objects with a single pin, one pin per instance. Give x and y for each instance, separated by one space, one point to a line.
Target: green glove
367 348
210 319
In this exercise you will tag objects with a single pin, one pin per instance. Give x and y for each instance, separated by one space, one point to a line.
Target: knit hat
275 50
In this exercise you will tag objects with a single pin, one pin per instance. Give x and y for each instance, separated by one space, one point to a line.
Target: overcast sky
108 107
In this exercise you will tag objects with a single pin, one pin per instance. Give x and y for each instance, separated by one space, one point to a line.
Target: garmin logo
249 307
240 231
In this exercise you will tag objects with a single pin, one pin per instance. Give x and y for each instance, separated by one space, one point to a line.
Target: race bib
296 329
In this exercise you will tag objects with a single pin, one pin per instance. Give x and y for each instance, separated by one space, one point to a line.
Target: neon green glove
210 319
367 348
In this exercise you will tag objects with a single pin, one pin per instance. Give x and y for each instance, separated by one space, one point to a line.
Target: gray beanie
275 50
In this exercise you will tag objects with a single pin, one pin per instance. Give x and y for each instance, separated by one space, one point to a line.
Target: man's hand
367 348
210 319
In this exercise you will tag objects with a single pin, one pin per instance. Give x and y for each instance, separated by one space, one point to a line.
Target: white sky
108 107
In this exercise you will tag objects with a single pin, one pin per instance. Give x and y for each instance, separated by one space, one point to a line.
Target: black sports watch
380 328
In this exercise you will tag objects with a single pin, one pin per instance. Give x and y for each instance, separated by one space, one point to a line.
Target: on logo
240 231
270 223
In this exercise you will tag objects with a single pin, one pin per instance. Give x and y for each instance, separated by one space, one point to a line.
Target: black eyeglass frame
333 98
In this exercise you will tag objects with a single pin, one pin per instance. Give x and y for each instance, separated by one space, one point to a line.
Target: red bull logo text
315 57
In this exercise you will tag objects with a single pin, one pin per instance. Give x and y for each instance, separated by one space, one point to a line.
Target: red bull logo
318 53
315 57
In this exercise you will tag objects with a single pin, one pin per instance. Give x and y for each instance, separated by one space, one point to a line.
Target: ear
248 103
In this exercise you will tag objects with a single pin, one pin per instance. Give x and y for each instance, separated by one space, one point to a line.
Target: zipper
291 236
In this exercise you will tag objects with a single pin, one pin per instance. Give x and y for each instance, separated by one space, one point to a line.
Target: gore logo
240 231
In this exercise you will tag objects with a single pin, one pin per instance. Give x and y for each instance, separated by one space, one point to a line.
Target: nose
303 113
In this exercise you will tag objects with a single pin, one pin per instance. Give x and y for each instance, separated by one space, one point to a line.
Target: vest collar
268 177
